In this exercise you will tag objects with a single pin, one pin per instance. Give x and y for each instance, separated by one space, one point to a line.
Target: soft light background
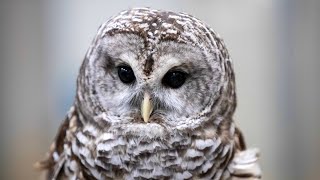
274 44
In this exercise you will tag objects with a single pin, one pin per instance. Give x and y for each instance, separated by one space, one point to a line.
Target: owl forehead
155 26
129 49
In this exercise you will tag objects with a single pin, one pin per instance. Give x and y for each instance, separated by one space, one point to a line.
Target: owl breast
178 156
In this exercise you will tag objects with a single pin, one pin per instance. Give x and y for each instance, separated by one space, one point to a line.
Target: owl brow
119 62
184 67
107 63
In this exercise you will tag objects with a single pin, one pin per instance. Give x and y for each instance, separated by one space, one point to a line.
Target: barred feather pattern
89 152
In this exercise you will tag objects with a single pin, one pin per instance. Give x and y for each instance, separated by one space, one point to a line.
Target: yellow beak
146 107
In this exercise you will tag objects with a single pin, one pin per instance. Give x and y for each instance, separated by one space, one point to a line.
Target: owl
155 100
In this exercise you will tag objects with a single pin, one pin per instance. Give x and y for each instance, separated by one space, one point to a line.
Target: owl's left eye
126 74
174 79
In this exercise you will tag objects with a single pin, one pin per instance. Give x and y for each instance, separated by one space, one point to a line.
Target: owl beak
146 107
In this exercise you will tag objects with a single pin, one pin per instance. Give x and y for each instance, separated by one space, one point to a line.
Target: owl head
152 72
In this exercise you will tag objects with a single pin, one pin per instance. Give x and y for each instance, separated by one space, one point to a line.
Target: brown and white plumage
170 119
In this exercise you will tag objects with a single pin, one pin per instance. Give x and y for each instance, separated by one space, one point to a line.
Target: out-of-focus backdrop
274 45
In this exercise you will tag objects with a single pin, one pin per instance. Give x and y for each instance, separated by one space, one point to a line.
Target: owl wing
57 157
244 164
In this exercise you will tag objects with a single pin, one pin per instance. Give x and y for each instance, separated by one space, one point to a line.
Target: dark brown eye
126 74
174 79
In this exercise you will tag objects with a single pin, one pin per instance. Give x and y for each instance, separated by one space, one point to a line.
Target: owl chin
144 131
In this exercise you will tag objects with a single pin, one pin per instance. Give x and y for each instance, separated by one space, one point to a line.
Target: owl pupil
126 74
174 79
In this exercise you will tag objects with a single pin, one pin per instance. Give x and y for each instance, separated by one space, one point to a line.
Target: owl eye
126 74
174 79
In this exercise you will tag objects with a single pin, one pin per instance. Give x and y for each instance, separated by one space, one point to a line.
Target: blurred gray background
274 45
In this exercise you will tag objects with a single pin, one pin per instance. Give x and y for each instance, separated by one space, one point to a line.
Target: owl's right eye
126 74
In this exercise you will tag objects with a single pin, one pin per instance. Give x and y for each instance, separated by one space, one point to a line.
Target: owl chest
176 158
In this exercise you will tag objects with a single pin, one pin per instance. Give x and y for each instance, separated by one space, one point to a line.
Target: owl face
152 71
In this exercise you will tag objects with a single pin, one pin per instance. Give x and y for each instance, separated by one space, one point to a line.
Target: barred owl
155 99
